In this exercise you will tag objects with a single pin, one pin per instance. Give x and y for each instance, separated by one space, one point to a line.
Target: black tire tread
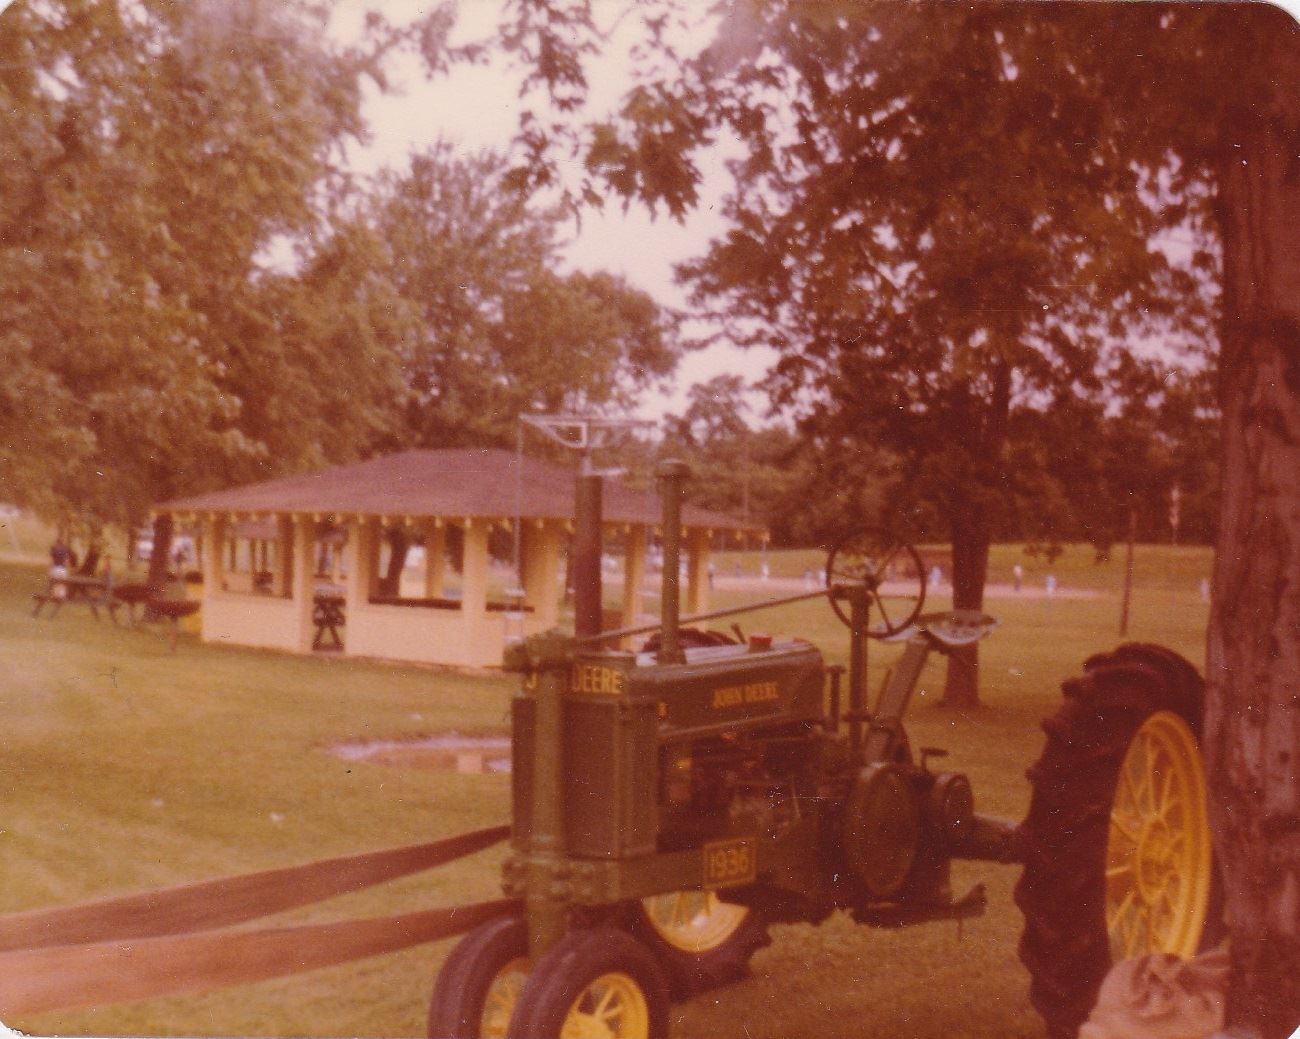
456 1008
1063 838
578 958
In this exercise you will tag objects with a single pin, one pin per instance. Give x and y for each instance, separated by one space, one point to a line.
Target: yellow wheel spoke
1166 795
1128 826
1116 916
611 1007
1158 856
693 921
606 997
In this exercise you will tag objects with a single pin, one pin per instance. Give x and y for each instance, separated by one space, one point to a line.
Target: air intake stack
672 477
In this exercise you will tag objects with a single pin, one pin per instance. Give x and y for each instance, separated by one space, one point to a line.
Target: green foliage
936 220
493 329
194 292
153 177
734 469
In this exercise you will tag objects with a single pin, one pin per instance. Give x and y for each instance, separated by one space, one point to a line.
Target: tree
151 181
735 468
1253 718
498 330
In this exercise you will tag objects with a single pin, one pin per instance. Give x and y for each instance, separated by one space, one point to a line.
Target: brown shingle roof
454 483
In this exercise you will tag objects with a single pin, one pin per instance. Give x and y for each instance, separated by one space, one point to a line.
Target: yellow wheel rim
502 995
693 921
1158 855
611 1007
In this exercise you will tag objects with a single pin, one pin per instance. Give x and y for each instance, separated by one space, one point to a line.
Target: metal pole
1128 573
519 504
695 618
859 616
672 474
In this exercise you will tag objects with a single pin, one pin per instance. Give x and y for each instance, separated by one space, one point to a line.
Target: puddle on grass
440 752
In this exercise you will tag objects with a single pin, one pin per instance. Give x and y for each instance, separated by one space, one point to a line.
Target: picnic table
131 596
155 607
93 592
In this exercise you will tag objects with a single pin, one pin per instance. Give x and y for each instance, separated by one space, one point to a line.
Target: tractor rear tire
1064 839
598 982
700 941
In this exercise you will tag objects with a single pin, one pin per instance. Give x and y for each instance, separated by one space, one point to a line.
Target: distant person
1049 582
764 570
936 576
60 555
60 560
1017 576
712 572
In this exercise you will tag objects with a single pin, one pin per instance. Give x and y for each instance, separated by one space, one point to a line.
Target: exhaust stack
672 477
588 508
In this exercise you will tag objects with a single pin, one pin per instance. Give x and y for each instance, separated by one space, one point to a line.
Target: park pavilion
278 556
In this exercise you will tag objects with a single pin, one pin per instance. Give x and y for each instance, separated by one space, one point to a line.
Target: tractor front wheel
1116 844
593 984
479 985
701 941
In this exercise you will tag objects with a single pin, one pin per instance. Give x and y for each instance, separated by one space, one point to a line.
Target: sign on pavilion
273 552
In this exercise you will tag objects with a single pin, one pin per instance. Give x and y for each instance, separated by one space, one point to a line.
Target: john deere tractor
671 802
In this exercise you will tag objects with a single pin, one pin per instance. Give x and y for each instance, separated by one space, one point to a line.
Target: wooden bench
93 592
171 611
131 596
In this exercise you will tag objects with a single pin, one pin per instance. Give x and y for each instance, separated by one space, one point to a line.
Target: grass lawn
127 768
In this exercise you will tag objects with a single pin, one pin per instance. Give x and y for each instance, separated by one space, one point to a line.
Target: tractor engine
665 757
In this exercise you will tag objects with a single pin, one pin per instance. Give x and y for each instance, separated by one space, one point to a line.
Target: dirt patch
439 752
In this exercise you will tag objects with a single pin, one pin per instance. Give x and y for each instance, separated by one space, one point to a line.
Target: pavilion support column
303 580
359 552
541 563
214 570
474 570
284 556
473 594
634 547
697 580
435 559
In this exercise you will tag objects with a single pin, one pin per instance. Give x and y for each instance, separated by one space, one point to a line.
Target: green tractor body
669 803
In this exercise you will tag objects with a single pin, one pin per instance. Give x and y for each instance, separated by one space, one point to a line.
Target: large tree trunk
970 568
163 527
969 520
399 544
1253 663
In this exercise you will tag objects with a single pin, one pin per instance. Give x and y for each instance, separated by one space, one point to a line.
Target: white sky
479 108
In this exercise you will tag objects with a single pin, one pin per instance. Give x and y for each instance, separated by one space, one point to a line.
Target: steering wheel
888 569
